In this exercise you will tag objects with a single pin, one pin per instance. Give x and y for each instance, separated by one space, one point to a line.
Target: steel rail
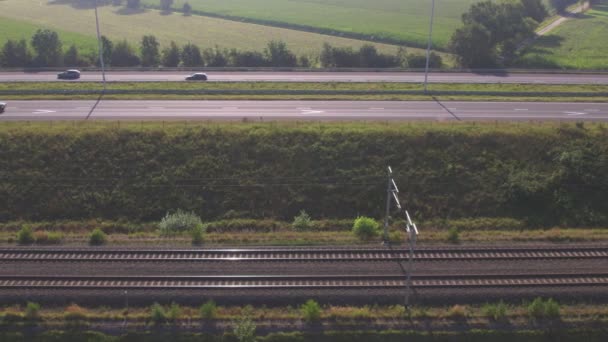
301 255
301 282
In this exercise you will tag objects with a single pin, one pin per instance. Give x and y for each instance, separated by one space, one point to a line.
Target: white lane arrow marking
311 112
43 111
575 113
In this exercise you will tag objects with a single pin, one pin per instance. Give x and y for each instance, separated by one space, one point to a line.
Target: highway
302 110
268 76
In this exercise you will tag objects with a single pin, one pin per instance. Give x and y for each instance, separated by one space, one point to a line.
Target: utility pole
103 70
410 228
428 48
388 206
412 234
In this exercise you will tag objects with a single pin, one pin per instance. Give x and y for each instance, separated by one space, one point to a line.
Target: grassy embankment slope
116 24
579 43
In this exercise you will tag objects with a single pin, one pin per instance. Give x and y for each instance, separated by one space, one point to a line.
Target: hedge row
544 175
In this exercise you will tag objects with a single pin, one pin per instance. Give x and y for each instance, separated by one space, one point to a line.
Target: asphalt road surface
408 77
303 110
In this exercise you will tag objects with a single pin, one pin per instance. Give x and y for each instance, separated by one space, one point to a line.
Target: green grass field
26 15
579 43
17 30
402 20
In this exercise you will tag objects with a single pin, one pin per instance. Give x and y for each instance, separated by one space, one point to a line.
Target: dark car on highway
2 107
71 74
199 76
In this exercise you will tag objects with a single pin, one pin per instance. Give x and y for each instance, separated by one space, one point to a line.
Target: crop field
396 20
579 43
118 24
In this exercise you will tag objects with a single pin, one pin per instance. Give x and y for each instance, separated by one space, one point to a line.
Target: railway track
300 282
298 255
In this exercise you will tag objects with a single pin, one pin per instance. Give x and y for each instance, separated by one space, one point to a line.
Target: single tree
278 55
191 56
535 9
133 4
171 56
71 57
123 55
165 5
47 45
107 47
150 55
187 9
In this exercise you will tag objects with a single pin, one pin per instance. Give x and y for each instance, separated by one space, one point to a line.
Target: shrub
25 236
302 221
495 312
178 222
244 328
157 314
32 311
540 308
311 311
173 313
208 310
365 228
98 237
453 235
197 234
396 236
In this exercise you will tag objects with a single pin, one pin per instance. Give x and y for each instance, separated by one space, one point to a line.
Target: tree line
45 49
492 32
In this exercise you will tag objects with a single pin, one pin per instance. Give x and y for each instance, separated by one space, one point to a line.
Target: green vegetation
208 310
25 236
495 311
385 20
365 228
304 90
575 44
32 311
118 24
540 308
179 222
98 237
157 314
453 235
302 222
311 311
532 173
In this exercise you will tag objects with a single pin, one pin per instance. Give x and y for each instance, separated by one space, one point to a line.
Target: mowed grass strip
206 32
305 91
579 43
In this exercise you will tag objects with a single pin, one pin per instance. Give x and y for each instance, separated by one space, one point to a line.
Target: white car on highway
2 107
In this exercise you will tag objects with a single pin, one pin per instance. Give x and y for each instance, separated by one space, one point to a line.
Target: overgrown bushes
539 175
